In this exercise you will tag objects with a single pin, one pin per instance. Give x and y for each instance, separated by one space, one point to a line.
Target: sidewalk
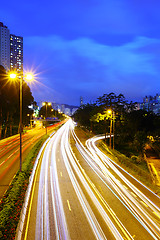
153 162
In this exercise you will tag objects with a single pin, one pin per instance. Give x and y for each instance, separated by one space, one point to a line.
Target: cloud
74 67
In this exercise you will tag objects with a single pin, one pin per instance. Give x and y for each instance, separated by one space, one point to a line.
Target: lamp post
30 119
110 132
113 127
20 130
28 77
46 104
112 124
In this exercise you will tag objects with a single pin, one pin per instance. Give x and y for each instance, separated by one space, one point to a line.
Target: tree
113 101
139 142
43 112
9 102
83 115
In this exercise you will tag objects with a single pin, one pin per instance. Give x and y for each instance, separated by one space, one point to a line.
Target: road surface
79 193
9 154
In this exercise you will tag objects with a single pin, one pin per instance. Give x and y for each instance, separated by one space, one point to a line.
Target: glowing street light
29 77
109 111
112 117
14 76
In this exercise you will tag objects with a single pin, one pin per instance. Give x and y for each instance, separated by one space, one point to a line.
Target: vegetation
12 200
136 168
9 104
131 126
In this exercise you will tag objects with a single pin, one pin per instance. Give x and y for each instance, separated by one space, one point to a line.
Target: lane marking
10 155
144 204
134 194
69 205
125 186
2 163
157 214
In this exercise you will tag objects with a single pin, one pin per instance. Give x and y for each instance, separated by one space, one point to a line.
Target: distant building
63 108
16 53
151 103
4 46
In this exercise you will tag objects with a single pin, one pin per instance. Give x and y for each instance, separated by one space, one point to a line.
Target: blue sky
88 47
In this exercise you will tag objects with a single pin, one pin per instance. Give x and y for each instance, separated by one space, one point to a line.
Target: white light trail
58 151
97 160
70 159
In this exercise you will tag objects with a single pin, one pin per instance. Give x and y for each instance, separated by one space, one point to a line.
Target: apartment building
4 46
16 53
11 50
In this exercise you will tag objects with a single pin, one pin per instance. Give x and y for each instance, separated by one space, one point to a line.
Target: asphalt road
79 193
9 154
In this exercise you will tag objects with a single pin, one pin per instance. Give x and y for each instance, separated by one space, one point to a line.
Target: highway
79 193
9 154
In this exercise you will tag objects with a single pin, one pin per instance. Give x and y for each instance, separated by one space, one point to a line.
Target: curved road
79 193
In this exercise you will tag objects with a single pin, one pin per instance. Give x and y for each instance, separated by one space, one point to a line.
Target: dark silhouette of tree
113 101
131 126
84 114
43 112
9 102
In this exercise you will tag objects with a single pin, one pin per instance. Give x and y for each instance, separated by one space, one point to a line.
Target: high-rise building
16 53
11 50
4 46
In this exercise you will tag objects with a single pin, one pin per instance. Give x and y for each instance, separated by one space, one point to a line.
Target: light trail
97 160
85 206
135 190
59 215
48 175
52 209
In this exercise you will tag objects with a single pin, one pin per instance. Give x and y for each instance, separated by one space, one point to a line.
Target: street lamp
13 76
112 122
28 77
46 104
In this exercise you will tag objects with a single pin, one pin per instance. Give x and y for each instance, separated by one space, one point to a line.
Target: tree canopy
9 103
131 126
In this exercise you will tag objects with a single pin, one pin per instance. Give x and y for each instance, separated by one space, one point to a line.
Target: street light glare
109 111
12 75
29 77
46 103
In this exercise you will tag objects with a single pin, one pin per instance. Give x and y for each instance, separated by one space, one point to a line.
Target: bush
12 201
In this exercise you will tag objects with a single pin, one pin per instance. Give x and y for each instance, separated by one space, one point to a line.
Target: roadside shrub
12 201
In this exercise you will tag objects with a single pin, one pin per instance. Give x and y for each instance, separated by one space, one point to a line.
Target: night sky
88 47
